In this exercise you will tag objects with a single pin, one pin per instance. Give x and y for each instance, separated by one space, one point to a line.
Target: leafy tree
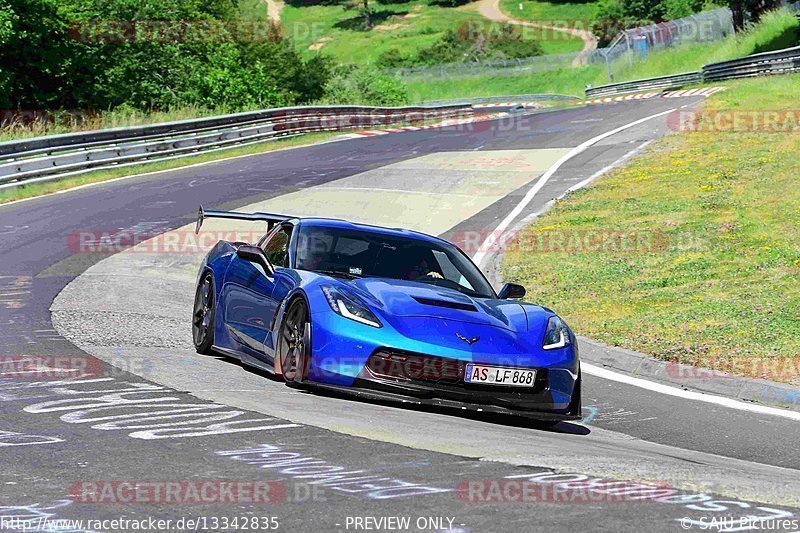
101 54
364 9
35 55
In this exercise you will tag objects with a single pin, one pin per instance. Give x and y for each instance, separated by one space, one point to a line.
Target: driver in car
317 251
418 268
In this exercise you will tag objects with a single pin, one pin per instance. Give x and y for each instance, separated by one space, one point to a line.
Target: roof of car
355 226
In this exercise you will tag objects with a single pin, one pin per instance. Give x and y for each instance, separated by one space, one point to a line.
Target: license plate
499 375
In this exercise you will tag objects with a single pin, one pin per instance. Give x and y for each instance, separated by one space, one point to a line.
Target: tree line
102 54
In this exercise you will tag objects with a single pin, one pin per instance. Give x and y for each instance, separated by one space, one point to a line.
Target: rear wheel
295 342
203 318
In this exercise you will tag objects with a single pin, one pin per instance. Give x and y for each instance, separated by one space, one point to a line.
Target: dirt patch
320 43
491 10
274 8
388 27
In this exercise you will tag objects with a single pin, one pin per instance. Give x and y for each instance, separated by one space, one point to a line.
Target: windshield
356 254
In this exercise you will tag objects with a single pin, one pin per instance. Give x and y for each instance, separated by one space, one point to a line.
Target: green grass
714 278
555 42
577 15
551 13
571 14
405 26
572 81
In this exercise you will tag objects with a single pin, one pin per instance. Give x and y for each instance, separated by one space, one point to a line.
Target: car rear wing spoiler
270 218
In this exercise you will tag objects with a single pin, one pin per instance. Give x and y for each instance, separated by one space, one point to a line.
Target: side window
276 247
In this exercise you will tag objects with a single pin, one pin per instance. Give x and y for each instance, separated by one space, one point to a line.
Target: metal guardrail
662 82
784 61
51 157
766 63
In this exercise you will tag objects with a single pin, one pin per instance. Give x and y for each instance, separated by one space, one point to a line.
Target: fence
501 67
784 61
503 99
45 158
629 46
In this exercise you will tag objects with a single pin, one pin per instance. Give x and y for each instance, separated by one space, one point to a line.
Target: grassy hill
534 10
338 31
776 30
406 26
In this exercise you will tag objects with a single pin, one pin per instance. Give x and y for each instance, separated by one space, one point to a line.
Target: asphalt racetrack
152 409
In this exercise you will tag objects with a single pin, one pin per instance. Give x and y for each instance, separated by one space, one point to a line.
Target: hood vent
446 303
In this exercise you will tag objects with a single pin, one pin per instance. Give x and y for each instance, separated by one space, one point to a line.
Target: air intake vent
445 303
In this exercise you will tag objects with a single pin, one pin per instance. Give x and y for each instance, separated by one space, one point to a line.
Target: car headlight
556 335
350 307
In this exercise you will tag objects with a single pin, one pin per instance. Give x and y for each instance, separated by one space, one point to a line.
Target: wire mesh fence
629 46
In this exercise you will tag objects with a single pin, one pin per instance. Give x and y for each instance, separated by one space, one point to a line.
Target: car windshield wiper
338 273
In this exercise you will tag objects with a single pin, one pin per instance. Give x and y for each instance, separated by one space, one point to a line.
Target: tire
203 316
294 343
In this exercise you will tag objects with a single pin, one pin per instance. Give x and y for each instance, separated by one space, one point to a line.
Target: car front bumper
442 384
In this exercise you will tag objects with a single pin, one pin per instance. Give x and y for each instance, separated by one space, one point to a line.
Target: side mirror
256 255
511 291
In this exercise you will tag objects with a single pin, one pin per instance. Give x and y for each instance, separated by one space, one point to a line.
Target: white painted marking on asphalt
605 169
685 394
491 238
602 372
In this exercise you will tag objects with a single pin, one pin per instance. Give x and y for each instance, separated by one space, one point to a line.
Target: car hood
398 298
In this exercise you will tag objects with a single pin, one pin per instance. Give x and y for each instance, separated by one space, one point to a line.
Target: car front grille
408 366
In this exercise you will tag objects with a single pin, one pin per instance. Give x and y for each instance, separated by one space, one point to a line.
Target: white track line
479 257
603 372
606 168
685 394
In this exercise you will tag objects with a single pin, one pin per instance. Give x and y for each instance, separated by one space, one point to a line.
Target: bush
470 41
632 13
364 86
393 58
60 54
675 9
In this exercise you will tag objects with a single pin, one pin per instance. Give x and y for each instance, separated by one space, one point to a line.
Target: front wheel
294 346
203 318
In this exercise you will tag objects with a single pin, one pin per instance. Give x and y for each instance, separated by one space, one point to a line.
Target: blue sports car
382 313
